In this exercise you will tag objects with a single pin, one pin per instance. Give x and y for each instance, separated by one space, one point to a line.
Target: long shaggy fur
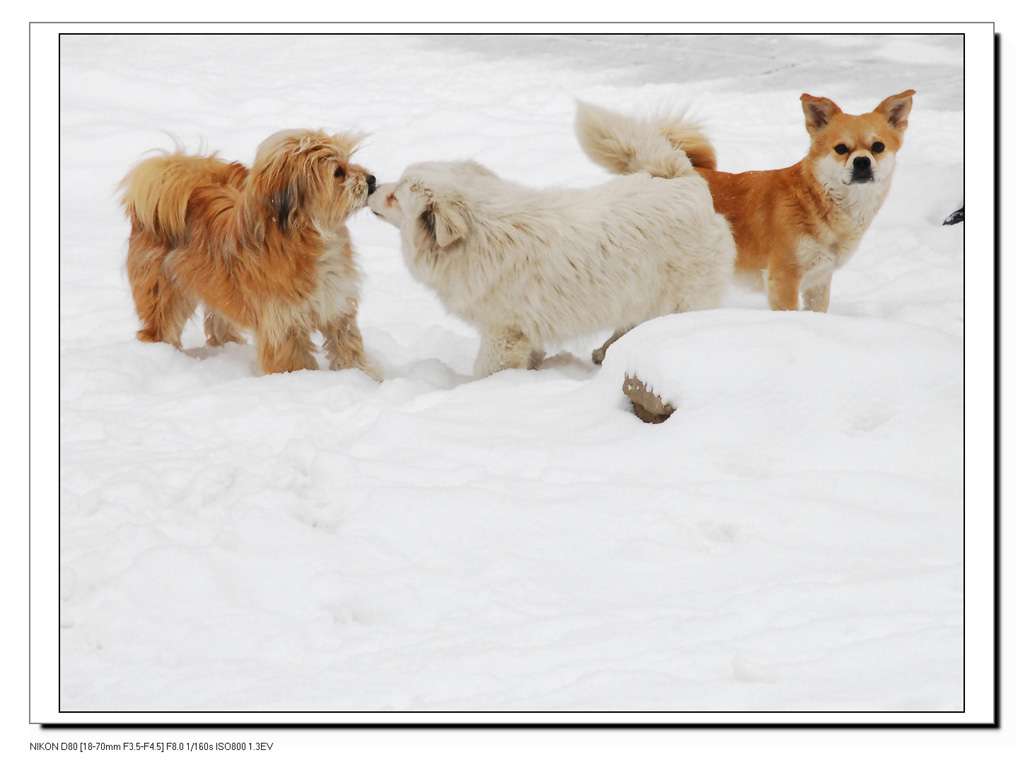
265 249
528 267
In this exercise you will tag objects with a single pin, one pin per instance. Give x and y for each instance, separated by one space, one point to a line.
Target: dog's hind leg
219 330
343 345
162 306
599 354
279 353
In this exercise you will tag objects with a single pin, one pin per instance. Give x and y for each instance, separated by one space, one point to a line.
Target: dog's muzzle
861 171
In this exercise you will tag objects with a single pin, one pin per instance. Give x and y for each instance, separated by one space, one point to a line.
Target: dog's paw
372 372
361 365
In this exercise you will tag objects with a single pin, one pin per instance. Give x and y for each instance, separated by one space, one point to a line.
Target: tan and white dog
796 224
529 267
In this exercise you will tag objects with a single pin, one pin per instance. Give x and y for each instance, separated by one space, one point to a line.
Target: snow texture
789 540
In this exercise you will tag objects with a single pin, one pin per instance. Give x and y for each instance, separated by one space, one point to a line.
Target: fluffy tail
662 146
157 191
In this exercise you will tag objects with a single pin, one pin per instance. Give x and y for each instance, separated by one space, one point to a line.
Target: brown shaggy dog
264 249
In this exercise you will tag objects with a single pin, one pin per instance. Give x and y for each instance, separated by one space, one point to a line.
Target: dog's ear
896 108
446 220
285 192
278 186
283 203
818 111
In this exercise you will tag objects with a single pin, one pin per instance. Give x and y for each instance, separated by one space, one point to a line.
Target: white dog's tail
662 146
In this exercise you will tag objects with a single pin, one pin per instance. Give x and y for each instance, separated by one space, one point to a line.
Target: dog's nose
861 163
371 184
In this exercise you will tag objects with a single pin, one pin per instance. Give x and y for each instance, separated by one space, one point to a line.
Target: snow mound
805 388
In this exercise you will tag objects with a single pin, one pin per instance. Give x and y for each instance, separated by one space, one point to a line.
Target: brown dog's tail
156 192
663 146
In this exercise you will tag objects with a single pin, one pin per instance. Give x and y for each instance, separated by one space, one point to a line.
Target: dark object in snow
646 405
956 217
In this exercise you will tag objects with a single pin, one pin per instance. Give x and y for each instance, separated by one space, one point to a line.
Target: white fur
528 267
337 289
856 204
628 145
860 202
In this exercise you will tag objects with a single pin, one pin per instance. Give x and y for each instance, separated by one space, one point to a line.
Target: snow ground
790 540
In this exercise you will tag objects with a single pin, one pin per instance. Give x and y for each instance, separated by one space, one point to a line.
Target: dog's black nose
371 184
861 164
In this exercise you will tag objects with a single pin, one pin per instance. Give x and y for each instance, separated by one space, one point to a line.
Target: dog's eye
390 199
877 147
339 173
841 149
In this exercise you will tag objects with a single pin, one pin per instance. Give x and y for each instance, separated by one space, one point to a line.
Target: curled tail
156 192
662 146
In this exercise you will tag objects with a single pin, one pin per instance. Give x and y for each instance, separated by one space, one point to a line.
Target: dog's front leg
817 298
279 353
784 289
504 348
599 354
343 345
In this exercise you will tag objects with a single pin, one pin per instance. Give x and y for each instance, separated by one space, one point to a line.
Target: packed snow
791 539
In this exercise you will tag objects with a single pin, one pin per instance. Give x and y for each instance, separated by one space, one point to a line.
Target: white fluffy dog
528 267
